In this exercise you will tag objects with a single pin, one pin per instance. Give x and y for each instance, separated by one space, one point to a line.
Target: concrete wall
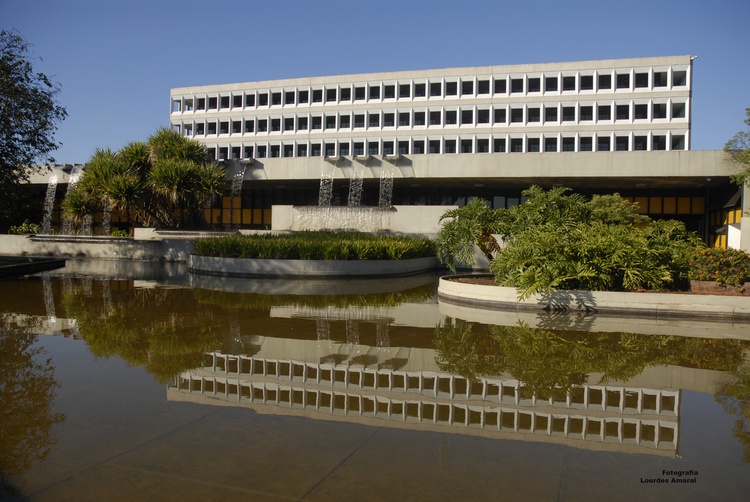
396 219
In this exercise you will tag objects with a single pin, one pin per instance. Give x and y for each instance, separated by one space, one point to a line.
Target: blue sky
116 60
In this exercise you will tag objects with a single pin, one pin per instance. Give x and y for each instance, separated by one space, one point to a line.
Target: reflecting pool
139 381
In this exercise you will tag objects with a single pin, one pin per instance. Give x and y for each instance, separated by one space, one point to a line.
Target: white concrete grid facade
614 105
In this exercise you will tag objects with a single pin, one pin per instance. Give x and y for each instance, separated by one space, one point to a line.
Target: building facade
444 136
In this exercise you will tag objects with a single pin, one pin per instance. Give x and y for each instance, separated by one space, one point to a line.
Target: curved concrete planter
667 305
248 267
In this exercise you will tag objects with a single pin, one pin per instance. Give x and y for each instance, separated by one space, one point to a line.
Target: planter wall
247 267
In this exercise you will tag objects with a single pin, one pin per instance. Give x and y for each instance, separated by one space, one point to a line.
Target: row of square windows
525 115
445 145
432 89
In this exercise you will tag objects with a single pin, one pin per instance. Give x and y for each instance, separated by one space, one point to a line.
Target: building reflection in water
404 387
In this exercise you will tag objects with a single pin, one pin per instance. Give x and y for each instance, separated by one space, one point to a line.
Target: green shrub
725 266
25 228
317 246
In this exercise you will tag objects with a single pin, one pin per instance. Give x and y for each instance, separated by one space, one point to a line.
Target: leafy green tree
29 117
738 149
464 227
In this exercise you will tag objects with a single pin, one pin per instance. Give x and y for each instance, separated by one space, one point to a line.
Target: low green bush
317 246
25 228
725 266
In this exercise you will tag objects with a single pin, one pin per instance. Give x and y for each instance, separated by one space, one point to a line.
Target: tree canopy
29 117
738 149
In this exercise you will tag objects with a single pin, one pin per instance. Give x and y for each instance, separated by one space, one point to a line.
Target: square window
449 146
212 103
211 127
317 96
330 95
604 112
679 78
434 118
359 120
433 146
451 89
660 79
343 149
569 83
483 146
403 119
622 112
261 152
224 102
359 93
389 92
501 86
373 148
568 144
388 148
550 144
605 81
483 87
317 123
602 144
450 117
315 150
466 146
534 114
374 92
289 97
275 151
550 114
535 84
301 150
483 116
532 145
418 147
275 98
516 85
586 82
330 149
201 104
249 126
303 97
640 112
275 125
467 117
550 84
302 123
262 125
236 127
359 148
659 111
236 152
622 143
403 147
499 145
623 80
500 117
436 89
516 115
373 120
289 124
585 144
516 145
419 118
659 143
419 90
678 110
467 88
330 121
569 113
288 150
344 122
404 90
237 101
248 152
641 80
249 100
346 94
640 143
389 119
678 142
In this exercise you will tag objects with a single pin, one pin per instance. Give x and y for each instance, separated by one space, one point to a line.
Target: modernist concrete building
444 136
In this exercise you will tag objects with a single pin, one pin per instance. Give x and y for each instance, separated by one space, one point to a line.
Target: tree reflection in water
734 396
27 388
163 330
552 363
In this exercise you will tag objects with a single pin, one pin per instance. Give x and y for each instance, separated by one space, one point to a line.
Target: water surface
141 382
